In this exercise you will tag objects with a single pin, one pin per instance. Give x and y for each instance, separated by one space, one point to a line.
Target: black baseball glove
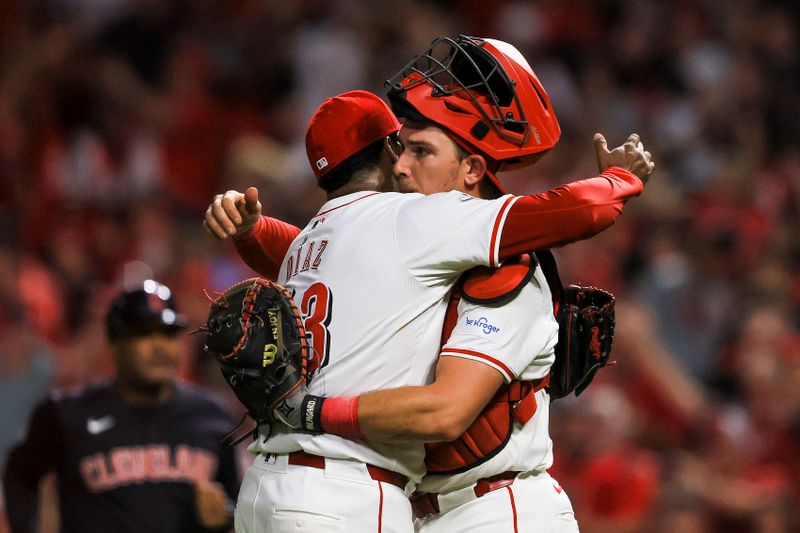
257 336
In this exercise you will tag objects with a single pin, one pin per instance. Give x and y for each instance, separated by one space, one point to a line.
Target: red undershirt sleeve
265 245
569 213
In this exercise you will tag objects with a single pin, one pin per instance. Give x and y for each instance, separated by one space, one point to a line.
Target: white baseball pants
534 503
278 497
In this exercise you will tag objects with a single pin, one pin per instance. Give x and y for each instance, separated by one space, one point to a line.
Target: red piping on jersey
569 213
380 508
480 355
496 230
348 203
513 508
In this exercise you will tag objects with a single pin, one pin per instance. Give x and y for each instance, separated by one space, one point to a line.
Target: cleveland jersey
370 274
122 467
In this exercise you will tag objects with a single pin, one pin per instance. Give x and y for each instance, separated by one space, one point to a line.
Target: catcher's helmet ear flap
482 91
144 310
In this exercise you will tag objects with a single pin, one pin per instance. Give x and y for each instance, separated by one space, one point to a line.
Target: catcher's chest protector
490 432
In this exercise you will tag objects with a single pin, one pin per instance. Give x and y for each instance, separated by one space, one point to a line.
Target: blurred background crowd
120 119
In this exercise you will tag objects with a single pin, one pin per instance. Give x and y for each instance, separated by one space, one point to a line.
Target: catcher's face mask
483 92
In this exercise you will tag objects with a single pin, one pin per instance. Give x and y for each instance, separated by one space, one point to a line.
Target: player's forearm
569 213
441 411
417 414
406 414
265 245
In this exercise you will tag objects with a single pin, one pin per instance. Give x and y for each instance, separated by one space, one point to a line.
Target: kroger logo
483 324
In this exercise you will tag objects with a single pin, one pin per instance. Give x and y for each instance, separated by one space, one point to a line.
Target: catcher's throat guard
256 334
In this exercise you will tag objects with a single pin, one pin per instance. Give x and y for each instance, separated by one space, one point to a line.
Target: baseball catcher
257 336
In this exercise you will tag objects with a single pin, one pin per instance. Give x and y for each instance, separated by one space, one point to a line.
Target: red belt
427 503
375 472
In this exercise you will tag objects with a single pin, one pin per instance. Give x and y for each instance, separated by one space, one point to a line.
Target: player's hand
289 411
214 509
631 156
232 213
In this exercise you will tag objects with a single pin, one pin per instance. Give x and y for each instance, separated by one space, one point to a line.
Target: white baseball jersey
517 339
370 274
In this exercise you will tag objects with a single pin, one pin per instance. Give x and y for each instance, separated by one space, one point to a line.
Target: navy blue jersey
121 467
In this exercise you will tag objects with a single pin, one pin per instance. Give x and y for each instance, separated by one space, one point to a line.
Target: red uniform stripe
380 507
513 507
496 231
348 203
507 371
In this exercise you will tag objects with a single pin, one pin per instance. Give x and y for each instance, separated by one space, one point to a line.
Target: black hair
461 153
402 108
354 167
488 189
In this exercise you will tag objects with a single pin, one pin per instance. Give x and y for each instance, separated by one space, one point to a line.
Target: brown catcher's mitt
586 323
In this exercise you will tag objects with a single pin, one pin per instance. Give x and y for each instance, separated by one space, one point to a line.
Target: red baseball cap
343 126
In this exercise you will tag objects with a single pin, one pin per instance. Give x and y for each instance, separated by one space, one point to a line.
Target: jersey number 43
316 310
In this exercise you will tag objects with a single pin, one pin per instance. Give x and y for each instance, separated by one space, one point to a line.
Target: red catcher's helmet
484 93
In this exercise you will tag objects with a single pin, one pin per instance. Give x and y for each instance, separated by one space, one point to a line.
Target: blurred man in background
138 453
